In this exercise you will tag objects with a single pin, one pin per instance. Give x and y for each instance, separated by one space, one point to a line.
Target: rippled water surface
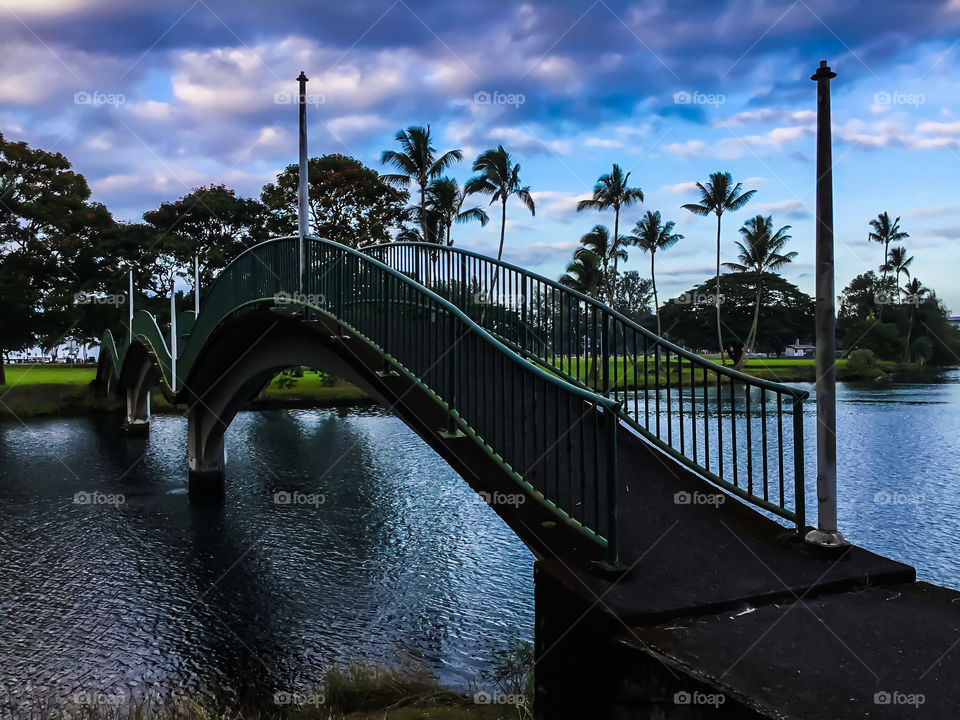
387 559
398 564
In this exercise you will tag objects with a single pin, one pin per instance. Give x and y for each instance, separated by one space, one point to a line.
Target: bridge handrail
426 292
542 328
606 309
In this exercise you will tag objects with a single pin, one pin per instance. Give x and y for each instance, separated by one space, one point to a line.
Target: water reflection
397 564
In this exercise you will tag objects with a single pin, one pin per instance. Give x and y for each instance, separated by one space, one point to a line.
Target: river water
342 537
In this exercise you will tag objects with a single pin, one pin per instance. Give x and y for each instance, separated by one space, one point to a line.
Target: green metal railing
743 433
558 440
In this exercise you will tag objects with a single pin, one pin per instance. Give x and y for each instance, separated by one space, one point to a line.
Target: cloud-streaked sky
186 93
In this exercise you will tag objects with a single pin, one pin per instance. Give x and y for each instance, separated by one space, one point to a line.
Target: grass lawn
39 390
33 390
19 375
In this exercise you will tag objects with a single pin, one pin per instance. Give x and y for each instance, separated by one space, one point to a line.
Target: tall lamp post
303 188
826 534
196 286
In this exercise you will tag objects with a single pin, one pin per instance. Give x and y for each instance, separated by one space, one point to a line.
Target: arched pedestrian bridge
643 465
481 358
617 437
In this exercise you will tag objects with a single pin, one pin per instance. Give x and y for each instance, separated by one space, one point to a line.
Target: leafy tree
600 243
21 309
500 179
786 316
760 252
210 223
445 199
717 196
650 234
48 247
931 321
860 297
915 295
883 338
584 273
417 161
349 203
612 191
632 296
923 349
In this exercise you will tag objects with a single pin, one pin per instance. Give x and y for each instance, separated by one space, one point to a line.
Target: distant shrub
862 364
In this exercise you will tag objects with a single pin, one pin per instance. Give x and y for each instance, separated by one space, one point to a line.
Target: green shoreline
37 391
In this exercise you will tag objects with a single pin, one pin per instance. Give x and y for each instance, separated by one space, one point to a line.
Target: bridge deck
697 558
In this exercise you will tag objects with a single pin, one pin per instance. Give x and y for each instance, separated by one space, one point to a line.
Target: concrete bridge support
222 384
205 453
137 394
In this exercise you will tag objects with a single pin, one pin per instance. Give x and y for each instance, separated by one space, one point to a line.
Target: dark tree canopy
787 313
50 236
212 223
349 203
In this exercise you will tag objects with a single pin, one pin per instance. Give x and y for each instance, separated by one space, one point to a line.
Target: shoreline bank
64 391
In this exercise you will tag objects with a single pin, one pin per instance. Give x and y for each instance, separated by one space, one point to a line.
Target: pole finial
302 77
823 72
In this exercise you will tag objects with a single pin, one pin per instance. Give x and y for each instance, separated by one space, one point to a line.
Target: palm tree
417 161
599 242
915 292
886 232
898 262
585 273
445 198
500 178
612 191
760 252
651 235
717 196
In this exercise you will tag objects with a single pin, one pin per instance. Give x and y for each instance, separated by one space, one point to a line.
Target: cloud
749 117
603 143
736 147
540 253
683 188
792 209
350 126
687 149
934 211
557 205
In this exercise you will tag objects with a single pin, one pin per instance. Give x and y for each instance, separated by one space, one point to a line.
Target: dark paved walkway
884 652
733 599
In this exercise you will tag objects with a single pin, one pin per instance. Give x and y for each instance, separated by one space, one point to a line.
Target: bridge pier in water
137 395
206 459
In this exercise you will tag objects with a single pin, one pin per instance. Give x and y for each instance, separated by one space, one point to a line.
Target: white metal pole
130 314
196 285
173 337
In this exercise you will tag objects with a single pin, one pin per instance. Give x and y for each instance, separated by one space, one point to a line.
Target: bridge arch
504 424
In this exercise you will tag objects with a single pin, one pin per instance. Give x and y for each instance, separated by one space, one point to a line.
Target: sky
150 100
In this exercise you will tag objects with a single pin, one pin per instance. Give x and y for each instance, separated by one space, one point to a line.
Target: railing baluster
656 367
780 445
763 429
746 389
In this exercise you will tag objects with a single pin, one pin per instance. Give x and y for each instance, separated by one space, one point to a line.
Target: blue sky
183 94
